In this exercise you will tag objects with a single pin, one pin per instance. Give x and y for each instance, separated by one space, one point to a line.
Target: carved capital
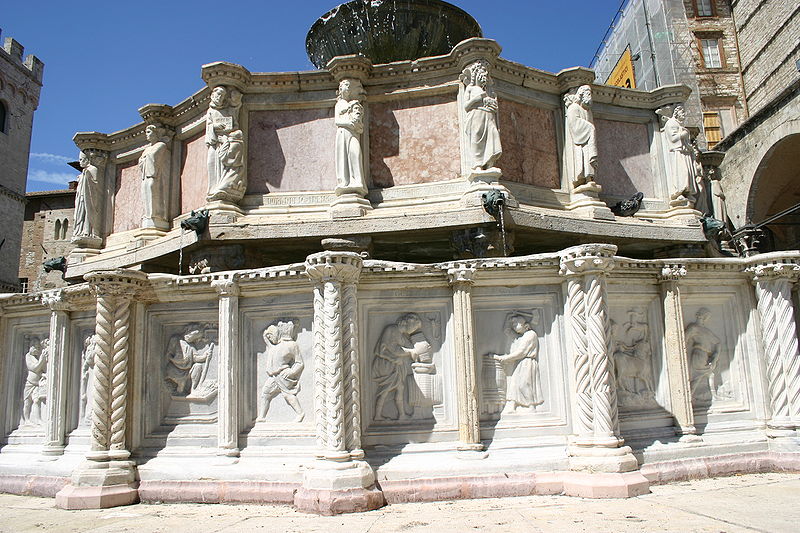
229 74
587 259
55 300
471 50
462 275
671 273
353 66
762 272
226 287
157 114
94 144
128 284
334 266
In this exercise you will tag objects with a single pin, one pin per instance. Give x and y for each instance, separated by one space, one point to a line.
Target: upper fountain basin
389 30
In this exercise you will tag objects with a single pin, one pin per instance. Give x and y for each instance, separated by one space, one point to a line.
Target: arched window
3 118
57 232
64 226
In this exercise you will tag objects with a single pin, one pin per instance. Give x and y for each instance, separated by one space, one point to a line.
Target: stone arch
776 187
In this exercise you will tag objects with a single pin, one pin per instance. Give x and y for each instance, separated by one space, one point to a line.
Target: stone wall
769 33
543 362
41 240
20 83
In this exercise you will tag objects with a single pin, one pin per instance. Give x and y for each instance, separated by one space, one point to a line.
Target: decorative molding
462 275
673 272
587 259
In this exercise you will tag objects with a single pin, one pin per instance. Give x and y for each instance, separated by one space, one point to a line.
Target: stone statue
87 377
225 141
480 127
581 135
189 357
398 347
34 395
89 201
284 367
702 346
521 364
154 165
632 359
681 169
717 196
349 118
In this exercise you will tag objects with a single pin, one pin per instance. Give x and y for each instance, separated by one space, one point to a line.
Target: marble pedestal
99 485
585 200
349 205
331 488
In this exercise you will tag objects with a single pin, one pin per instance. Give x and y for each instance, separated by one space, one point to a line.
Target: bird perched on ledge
629 207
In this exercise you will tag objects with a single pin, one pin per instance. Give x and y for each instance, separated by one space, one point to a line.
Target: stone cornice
775 270
224 73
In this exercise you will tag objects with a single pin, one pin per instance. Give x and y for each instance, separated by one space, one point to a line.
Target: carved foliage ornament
588 260
334 266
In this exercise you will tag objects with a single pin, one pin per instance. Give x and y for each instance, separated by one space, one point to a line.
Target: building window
712 56
23 285
64 226
3 113
704 8
712 126
57 232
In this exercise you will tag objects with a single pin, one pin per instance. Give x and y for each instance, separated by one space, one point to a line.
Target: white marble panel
79 367
541 308
289 346
25 378
726 341
407 363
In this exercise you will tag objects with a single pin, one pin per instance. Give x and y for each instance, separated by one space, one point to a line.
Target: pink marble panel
624 166
530 148
414 141
128 207
194 173
291 150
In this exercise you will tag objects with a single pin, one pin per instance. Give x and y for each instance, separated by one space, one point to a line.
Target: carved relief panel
26 392
277 366
719 356
636 348
180 373
519 345
407 368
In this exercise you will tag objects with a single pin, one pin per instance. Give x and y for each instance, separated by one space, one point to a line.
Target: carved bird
629 207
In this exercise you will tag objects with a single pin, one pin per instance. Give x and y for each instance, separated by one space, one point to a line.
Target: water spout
494 203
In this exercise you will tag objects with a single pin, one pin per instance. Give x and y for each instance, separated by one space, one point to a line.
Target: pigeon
628 208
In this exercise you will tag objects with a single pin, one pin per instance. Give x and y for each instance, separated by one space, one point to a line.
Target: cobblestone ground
762 502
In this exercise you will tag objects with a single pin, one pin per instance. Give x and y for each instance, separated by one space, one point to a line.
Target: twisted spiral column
336 365
583 395
773 285
114 291
597 415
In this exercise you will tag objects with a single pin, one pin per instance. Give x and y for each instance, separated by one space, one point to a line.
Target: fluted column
680 390
339 480
462 279
55 428
228 353
596 412
773 285
107 477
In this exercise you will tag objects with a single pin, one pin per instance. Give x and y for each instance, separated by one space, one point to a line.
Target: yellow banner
623 74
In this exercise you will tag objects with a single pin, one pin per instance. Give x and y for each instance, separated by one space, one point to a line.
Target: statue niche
633 365
34 393
581 136
481 120
154 169
284 368
89 199
190 358
225 141
403 370
681 167
516 373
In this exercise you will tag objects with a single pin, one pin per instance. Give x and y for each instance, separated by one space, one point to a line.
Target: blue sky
105 59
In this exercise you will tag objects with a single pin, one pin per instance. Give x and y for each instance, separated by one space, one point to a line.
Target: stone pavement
760 502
